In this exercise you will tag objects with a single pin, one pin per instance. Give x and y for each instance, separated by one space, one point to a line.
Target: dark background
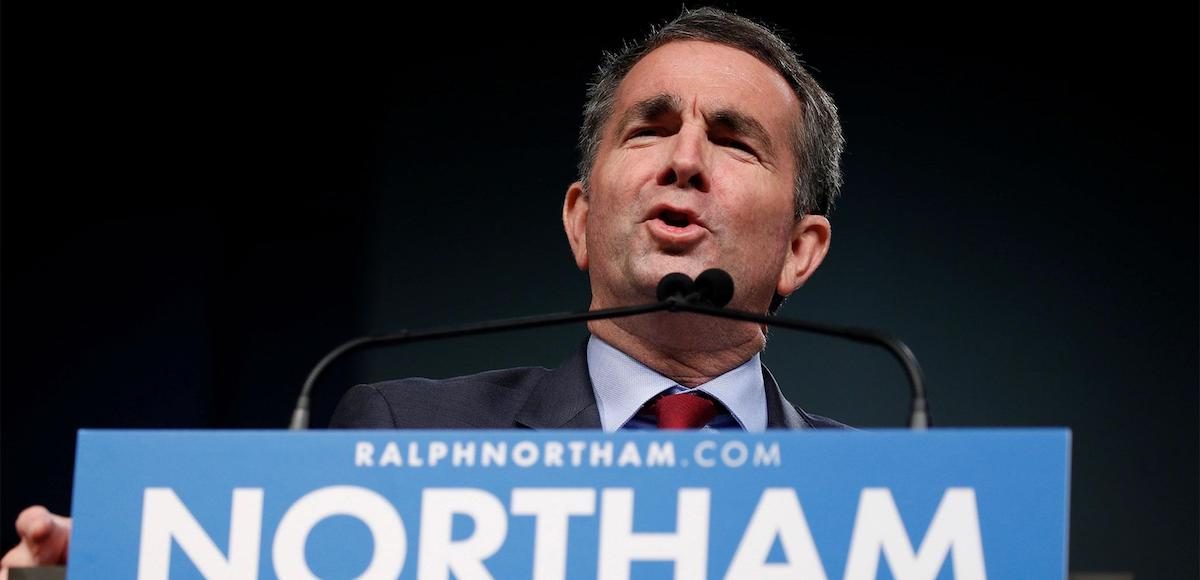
198 202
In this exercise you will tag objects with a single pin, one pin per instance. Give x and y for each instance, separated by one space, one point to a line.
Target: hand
44 540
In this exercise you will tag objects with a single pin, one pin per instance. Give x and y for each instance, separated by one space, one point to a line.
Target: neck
690 349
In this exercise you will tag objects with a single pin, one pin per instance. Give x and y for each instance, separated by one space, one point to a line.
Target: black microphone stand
918 419
300 416
676 293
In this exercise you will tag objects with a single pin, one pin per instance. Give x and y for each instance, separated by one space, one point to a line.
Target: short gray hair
817 138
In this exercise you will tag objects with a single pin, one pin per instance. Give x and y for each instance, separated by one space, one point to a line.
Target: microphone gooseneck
300 415
714 288
676 292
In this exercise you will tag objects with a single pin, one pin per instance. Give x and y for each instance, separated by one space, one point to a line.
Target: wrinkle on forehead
724 79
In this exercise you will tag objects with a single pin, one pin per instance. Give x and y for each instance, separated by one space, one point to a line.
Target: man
706 145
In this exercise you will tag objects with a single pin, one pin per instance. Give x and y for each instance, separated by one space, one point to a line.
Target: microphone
707 294
674 286
713 287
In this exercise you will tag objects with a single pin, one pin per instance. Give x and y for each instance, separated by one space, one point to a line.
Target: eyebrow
731 120
650 108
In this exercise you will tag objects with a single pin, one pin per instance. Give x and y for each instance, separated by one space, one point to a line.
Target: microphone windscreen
716 286
673 284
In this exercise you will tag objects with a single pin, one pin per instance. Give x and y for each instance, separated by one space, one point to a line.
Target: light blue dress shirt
623 385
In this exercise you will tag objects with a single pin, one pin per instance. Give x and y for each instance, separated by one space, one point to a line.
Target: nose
687 160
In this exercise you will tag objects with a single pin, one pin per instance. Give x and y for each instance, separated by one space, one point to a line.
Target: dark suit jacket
527 397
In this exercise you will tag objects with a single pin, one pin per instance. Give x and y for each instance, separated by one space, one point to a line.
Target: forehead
710 76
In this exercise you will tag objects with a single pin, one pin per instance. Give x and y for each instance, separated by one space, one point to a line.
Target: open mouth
676 229
674 218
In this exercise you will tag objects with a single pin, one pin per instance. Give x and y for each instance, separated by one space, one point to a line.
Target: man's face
695 170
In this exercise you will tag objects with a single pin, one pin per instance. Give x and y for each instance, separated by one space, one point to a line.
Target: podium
967 504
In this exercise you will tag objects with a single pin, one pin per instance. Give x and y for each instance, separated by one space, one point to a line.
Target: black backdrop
198 202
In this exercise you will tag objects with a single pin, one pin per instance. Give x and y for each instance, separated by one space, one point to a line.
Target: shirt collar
622 385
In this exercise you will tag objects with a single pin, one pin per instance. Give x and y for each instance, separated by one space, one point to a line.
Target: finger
44 537
35 524
16 557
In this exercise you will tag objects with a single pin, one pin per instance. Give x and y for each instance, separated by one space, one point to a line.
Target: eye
735 144
645 132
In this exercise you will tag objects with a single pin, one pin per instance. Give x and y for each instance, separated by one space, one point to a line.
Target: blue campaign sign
968 504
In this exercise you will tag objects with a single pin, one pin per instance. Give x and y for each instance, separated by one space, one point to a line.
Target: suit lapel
563 399
780 413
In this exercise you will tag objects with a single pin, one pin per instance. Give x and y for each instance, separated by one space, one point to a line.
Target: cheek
606 228
614 204
764 231
764 214
624 171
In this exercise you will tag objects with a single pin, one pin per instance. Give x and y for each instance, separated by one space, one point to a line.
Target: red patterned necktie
684 411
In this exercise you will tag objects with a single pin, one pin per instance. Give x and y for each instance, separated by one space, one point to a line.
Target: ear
809 244
575 216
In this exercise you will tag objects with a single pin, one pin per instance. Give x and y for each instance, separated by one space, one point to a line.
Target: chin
651 270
